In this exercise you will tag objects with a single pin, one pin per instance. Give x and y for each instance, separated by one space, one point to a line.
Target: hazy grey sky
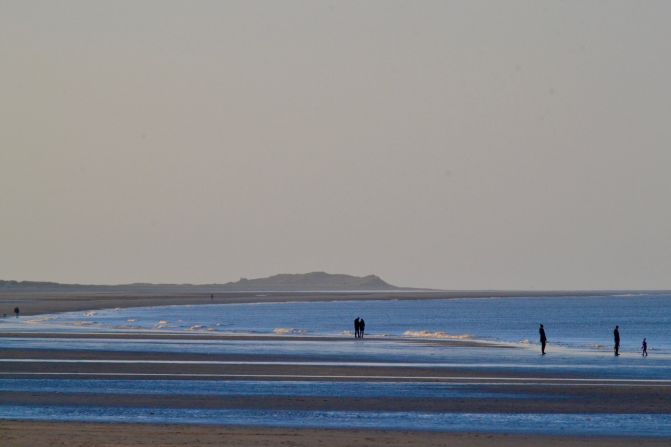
463 144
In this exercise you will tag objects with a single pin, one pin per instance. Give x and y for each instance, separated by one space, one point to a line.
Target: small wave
288 331
437 334
38 320
132 320
161 324
81 323
198 327
90 313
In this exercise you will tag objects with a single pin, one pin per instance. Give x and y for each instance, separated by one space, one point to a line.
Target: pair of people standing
359 327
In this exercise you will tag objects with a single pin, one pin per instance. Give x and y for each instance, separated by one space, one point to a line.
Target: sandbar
38 434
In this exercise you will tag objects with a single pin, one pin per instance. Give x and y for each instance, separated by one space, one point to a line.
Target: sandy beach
35 303
524 391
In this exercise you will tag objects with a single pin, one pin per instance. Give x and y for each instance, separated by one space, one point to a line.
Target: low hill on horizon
308 282
313 281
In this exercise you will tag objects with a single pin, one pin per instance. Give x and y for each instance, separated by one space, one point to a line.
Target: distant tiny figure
362 327
544 339
16 312
357 327
644 348
616 336
211 297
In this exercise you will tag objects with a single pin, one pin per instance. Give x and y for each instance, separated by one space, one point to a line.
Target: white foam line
230 362
509 381
211 362
234 362
310 363
145 334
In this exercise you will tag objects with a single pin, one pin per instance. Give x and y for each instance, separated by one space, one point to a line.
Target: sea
574 323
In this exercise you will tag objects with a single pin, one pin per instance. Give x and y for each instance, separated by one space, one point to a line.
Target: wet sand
38 434
533 392
625 400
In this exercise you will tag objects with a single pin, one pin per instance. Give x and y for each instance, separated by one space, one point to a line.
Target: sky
447 144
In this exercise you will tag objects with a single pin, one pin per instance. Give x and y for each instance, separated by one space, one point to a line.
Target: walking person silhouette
616 336
357 327
544 339
362 327
644 348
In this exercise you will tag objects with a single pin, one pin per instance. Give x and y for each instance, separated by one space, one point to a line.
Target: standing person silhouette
544 339
362 327
16 311
644 348
616 336
357 327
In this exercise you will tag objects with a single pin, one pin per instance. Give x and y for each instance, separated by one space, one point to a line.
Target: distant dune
308 282
311 282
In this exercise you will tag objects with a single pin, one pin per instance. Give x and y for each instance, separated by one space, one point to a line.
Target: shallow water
584 323
644 425
377 353
255 388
